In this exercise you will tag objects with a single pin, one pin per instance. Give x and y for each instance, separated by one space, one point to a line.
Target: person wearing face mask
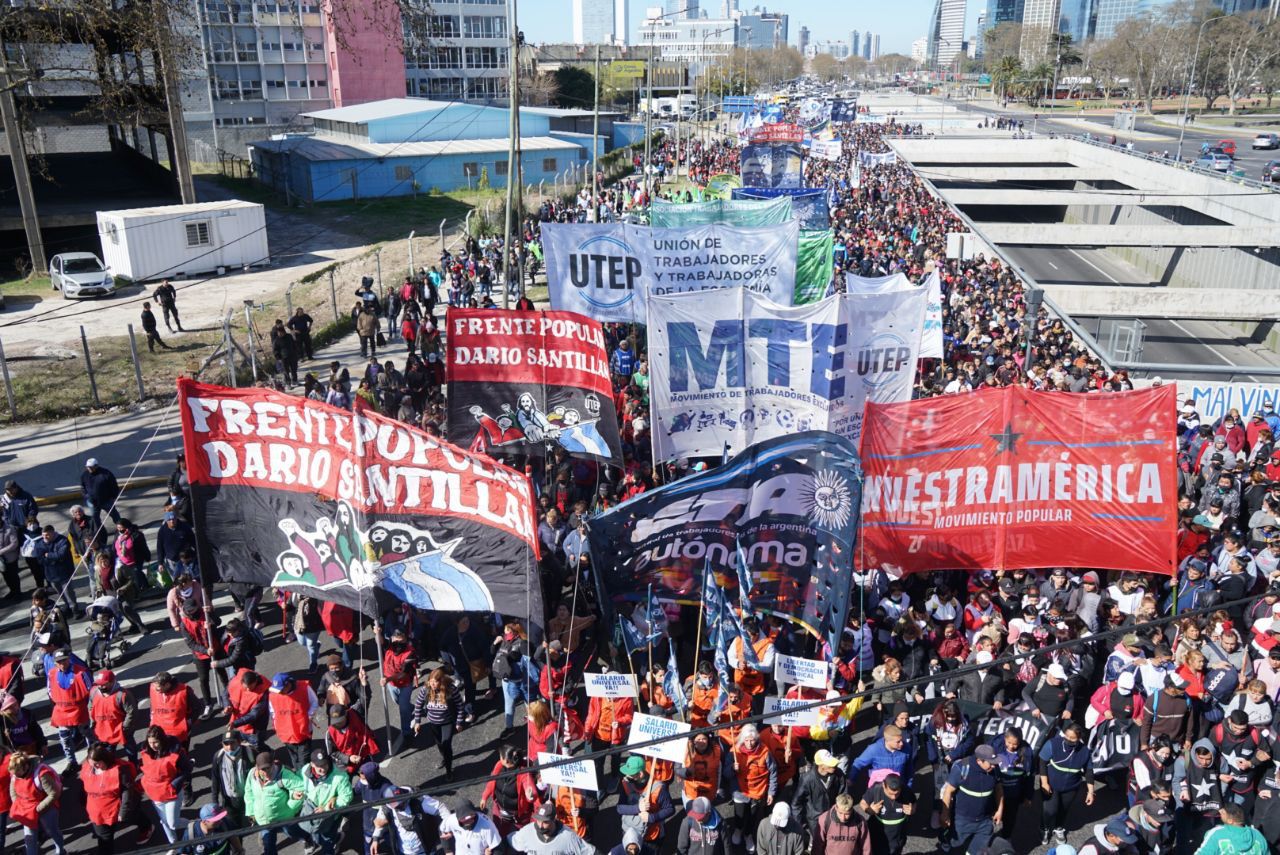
1198 790
367 786
111 798
753 678
325 787
1065 764
184 590
757 779
555 674
701 691
947 737
399 668
702 830
292 703
514 667
973 803
546 835
1015 769
703 772
342 686
643 804
349 740
608 724
510 799
1151 767
1245 753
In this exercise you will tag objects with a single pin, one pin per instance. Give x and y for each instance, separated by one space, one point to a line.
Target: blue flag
721 630
671 683
749 657
633 639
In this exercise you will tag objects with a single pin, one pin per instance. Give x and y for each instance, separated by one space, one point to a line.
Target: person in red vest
292 703
196 631
510 800
753 680
608 724
12 680
349 741
247 708
37 796
555 674
111 788
173 706
342 624
399 668
112 711
6 800
69 687
166 772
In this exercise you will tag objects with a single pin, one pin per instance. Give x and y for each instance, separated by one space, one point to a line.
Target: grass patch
36 285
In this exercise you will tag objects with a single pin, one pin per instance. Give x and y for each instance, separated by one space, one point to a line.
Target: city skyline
544 21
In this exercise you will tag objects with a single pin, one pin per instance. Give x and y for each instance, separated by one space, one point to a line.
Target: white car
1267 141
80 274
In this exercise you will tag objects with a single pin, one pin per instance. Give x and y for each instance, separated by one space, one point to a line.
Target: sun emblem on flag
830 502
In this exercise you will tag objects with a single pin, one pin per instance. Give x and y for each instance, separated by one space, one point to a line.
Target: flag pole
697 644
386 705
648 677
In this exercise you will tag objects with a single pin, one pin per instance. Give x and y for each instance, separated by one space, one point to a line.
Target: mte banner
520 382
609 271
786 509
729 369
1008 478
294 494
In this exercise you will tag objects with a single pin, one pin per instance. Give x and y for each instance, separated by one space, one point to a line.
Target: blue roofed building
401 146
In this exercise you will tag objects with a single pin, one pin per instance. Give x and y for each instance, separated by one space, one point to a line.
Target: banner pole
386 706
697 643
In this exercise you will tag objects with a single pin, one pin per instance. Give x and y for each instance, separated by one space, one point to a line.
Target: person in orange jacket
37 798
70 683
703 772
757 775
348 740
511 800
754 680
576 809
701 690
654 695
608 724
737 708
784 745
111 789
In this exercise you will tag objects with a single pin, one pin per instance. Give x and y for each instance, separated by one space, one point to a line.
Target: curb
135 484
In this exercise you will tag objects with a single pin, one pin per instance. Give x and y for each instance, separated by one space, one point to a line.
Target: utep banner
931 332
790 504
772 165
809 204
520 381
1007 478
1214 400
729 368
292 493
608 271
734 212
866 158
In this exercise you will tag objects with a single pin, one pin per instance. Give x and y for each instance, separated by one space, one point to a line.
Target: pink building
364 50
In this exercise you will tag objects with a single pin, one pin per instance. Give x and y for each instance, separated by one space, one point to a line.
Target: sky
899 23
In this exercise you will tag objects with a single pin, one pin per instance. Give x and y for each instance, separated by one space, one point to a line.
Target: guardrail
1242 180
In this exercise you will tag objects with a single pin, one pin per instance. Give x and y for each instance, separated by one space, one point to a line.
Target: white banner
1214 400
825 149
931 333
877 284
580 775
795 671
611 685
609 271
803 718
730 368
869 159
646 727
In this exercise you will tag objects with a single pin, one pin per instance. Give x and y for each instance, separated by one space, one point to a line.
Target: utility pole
21 170
595 145
517 168
648 112
513 100
181 159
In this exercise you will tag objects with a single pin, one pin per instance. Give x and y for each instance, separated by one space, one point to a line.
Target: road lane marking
1209 347
1110 278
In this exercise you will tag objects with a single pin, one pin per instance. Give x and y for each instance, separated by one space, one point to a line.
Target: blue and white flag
636 637
671 683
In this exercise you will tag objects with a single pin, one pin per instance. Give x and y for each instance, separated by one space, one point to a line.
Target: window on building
404 173
549 164
197 233
486 57
484 27
500 167
442 57
443 27
470 169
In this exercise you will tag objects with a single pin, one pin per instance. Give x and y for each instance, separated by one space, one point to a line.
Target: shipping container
177 241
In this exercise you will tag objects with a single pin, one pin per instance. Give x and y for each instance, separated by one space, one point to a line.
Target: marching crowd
1178 720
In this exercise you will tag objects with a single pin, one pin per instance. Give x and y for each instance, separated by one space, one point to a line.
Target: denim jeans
268 838
403 698
169 817
70 738
310 642
50 825
512 692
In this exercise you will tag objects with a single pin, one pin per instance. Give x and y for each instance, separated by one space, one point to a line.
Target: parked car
1214 160
1267 141
80 274
1227 147
1271 171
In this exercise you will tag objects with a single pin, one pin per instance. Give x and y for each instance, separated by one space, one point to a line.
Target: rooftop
172 210
319 148
388 109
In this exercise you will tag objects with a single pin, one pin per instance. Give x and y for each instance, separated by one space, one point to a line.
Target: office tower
804 40
946 34
875 47
1010 11
855 43
593 22
621 22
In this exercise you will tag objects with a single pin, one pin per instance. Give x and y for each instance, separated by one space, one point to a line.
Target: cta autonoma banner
292 493
788 506
522 381
1008 478
608 271
729 369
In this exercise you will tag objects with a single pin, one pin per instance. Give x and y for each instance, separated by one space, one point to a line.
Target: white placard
580 775
802 718
1213 399
646 727
795 671
611 685
609 271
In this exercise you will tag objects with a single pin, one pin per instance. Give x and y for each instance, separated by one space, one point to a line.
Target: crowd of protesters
1202 691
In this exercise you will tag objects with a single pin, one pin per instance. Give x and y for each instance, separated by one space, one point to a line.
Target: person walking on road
100 489
150 328
167 296
301 324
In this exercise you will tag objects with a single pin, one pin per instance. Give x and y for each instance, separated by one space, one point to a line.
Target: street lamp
1191 80
648 112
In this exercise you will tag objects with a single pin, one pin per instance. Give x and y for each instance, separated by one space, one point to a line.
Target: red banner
778 132
272 441
1007 478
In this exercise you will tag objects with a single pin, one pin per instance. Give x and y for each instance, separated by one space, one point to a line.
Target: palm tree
1006 71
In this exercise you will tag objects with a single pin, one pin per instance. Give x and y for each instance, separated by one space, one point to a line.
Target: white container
173 241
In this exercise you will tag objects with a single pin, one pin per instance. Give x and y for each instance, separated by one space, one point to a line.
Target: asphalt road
475 747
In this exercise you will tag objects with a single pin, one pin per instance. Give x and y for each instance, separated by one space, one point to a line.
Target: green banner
815 265
721 186
722 212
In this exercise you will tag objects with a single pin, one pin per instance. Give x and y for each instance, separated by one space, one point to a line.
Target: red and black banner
350 507
521 381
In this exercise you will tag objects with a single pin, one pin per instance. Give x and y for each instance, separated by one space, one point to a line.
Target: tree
825 67
999 42
537 89
1005 72
1244 45
893 63
1151 45
575 87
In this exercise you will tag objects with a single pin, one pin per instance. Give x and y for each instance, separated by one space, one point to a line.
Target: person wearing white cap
778 833
1049 696
100 489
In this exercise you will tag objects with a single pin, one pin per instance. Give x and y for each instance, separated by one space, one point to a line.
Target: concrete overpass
1041 234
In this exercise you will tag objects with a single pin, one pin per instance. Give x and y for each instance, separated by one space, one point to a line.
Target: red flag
1006 478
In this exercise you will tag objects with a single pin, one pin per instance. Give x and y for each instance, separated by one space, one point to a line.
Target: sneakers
208 712
1044 838
1059 836
144 836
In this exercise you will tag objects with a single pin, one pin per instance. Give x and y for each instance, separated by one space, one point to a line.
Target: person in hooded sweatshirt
1152 821
632 845
1110 837
779 834
702 832
1234 836
1197 788
547 835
